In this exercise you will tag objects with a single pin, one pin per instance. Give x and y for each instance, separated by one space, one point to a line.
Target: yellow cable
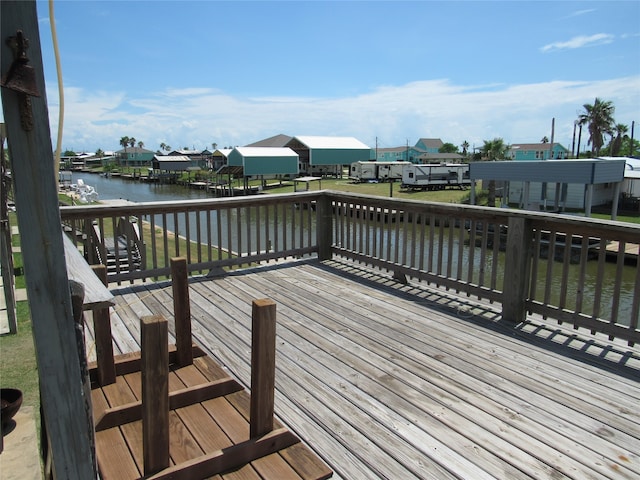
54 37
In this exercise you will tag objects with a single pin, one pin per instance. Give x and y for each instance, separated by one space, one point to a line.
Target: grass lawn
18 368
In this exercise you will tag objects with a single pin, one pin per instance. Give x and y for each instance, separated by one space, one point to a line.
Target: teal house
426 150
264 161
537 151
326 155
135 157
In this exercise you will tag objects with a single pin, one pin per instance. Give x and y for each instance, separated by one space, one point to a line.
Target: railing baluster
615 300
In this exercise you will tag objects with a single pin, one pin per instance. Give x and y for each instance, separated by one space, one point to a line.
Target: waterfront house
171 163
219 158
537 151
327 155
134 157
264 161
199 158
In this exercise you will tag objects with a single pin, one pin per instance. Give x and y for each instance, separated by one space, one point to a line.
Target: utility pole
68 429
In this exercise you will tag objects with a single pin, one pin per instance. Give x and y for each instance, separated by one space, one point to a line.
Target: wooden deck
387 380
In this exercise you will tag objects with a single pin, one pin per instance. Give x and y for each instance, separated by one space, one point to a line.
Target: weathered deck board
389 380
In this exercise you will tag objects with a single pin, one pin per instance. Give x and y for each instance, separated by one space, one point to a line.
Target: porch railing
569 269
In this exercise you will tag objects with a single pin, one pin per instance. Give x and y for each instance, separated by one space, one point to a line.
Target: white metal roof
266 152
172 158
330 142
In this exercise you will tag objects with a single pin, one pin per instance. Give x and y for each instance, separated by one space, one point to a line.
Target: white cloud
579 42
394 114
579 13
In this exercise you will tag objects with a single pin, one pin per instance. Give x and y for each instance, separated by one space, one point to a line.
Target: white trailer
376 171
436 176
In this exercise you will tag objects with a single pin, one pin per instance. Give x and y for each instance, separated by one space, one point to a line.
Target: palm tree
545 139
493 150
163 146
616 144
140 144
214 145
124 141
132 142
465 148
599 119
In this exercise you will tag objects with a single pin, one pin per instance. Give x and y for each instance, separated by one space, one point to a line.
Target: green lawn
18 368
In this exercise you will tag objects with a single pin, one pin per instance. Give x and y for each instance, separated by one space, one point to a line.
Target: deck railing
569 269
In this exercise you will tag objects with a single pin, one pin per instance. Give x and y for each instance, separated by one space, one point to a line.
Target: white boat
86 193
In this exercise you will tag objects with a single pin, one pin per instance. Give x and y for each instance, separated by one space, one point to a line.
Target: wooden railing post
155 392
517 269
103 337
181 310
263 366
324 226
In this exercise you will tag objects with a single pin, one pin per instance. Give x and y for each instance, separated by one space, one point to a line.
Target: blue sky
190 73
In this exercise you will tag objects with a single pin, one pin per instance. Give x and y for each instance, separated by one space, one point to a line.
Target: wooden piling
263 366
155 393
181 310
103 337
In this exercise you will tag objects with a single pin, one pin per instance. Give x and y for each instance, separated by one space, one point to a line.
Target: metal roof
586 172
172 158
318 142
266 152
276 141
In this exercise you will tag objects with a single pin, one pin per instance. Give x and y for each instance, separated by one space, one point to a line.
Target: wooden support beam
230 458
36 196
154 335
130 412
103 337
263 366
181 310
131 362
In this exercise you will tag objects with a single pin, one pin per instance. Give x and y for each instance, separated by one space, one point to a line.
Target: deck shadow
614 356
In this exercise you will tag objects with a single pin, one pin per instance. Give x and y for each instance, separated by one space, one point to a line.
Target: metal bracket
21 78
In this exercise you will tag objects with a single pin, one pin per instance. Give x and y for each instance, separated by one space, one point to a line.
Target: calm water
134 191
117 188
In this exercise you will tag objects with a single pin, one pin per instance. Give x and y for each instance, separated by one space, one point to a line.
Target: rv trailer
376 171
436 176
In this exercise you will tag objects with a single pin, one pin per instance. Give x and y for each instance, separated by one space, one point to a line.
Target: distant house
326 155
537 151
429 145
220 157
134 157
171 163
199 158
426 150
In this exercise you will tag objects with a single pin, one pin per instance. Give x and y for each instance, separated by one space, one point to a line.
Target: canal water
115 188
